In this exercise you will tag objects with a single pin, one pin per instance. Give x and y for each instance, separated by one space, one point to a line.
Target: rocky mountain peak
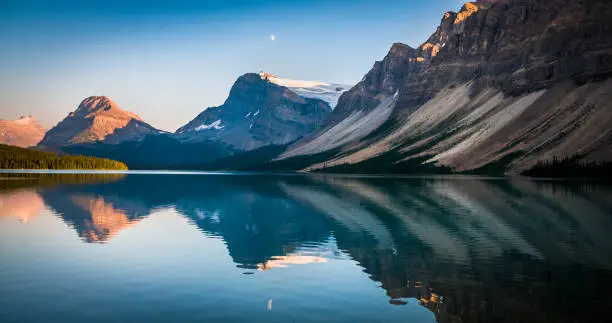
452 24
97 118
101 105
467 10
399 49
250 77
383 80
261 109
95 103
95 99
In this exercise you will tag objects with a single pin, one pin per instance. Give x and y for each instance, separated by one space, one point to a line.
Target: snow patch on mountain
328 92
215 125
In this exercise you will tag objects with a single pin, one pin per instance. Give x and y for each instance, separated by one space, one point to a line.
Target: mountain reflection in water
467 249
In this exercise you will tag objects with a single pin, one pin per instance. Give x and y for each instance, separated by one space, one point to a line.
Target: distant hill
12 157
23 132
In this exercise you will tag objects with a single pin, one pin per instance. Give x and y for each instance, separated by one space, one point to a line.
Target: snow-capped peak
290 83
328 92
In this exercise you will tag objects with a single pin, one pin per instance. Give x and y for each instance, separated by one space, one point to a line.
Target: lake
186 247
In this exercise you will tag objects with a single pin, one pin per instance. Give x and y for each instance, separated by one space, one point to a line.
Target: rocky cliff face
366 106
97 119
518 46
23 132
257 113
381 82
505 83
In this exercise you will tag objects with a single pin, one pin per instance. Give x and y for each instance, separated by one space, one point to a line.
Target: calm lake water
234 248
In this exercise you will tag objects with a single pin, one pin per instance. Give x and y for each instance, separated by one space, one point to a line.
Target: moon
272 37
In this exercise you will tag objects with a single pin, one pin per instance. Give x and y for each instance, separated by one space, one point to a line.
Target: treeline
21 158
571 167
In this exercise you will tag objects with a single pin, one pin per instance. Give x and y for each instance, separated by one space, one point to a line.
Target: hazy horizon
167 57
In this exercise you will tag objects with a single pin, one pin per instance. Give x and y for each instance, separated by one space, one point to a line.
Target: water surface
169 247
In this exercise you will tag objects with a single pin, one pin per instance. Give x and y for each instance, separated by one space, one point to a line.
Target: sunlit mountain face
455 249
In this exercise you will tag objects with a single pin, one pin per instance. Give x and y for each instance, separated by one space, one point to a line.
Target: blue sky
168 60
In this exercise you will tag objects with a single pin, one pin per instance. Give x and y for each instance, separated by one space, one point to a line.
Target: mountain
97 119
500 85
23 132
258 112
